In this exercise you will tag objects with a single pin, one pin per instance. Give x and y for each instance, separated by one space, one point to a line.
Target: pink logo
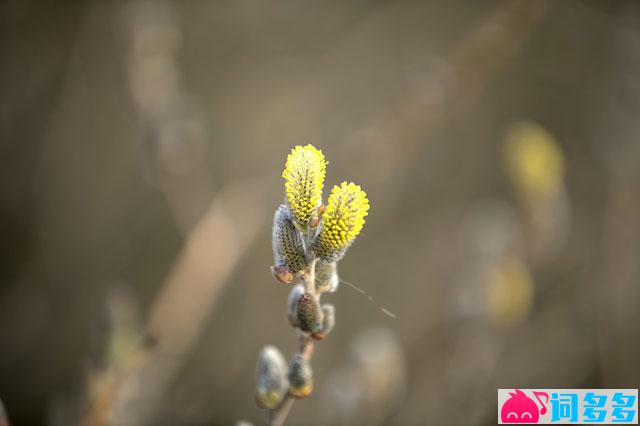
519 408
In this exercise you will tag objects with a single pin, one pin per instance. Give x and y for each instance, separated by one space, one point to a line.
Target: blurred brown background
141 146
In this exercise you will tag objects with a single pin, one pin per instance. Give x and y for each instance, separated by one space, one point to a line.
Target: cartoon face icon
519 408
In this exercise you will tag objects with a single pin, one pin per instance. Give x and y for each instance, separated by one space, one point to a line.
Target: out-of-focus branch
464 74
179 312
483 53
174 144
216 238
213 249
4 420
615 293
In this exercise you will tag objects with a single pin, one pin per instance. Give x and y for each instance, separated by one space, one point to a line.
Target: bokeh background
141 146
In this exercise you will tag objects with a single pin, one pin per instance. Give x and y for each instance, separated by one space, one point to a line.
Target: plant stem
278 415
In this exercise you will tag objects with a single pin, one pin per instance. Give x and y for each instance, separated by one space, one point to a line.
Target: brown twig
278 415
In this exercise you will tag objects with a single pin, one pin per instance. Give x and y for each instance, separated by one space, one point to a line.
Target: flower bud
308 313
326 276
282 274
288 248
292 304
314 221
328 322
271 377
300 377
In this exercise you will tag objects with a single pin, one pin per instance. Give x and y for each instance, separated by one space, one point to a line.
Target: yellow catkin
342 221
304 174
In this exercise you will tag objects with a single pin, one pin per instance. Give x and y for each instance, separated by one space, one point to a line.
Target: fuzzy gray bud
328 322
292 304
288 247
271 377
326 276
300 377
308 316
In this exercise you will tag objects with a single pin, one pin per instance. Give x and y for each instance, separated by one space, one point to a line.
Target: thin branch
278 415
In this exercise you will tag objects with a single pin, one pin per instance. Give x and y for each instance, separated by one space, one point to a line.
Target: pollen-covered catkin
304 174
341 222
